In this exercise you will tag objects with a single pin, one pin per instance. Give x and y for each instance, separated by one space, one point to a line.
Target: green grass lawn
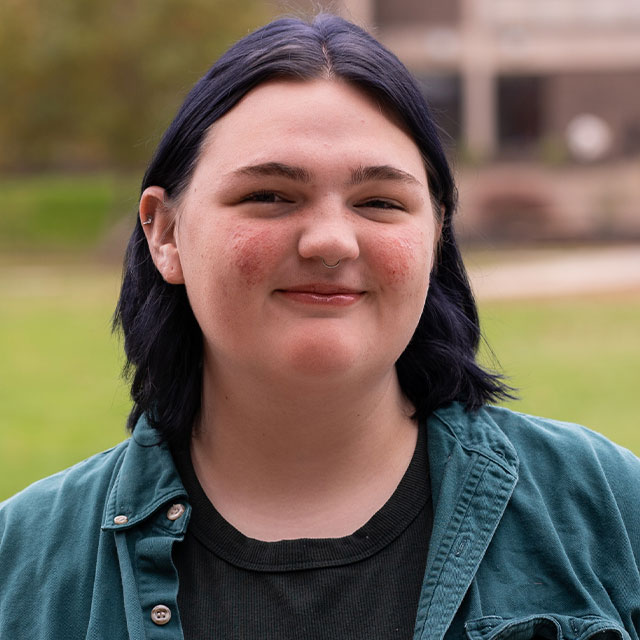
61 398
572 359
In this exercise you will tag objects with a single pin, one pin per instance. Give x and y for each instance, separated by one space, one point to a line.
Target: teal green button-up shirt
536 535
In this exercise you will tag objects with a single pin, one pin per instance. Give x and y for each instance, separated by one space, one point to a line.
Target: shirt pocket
545 627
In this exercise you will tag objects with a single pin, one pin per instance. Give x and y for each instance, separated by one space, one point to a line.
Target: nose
329 234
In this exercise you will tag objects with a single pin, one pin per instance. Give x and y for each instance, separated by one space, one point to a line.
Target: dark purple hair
163 341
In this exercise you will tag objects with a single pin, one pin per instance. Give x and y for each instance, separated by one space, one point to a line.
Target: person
314 452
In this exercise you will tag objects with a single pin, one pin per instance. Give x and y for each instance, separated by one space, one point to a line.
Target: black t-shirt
365 585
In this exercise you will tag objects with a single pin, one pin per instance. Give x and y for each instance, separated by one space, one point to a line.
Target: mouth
321 293
322 289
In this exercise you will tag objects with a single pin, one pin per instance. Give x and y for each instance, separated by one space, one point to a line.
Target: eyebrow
275 169
358 176
382 172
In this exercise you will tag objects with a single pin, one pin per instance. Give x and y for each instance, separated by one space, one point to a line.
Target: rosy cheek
400 259
253 253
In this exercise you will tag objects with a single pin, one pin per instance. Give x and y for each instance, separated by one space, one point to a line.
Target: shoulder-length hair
162 340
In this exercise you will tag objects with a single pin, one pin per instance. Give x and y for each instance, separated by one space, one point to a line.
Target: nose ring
330 266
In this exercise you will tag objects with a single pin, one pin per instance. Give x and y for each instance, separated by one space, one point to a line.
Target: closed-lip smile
325 288
322 293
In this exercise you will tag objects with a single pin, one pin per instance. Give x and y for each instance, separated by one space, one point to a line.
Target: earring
148 221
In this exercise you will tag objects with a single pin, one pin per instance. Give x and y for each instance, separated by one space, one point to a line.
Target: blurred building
541 100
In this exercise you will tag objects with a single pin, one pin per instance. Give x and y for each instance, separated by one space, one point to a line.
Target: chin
319 358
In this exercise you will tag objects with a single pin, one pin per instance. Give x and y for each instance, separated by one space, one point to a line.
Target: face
298 176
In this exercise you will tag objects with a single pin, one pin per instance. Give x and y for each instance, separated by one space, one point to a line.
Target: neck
317 460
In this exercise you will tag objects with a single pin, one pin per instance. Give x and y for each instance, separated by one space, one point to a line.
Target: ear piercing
148 221
330 266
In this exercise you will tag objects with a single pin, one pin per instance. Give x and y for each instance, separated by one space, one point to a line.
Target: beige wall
431 12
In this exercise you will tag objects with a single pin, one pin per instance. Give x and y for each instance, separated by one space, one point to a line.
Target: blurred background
539 107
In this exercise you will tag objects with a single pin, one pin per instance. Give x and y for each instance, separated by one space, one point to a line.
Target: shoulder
58 516
74 493
553 460
535 441
582 476
568 472
49 544
59 537
553 447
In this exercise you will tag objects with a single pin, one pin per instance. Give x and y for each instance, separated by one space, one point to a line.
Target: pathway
532 274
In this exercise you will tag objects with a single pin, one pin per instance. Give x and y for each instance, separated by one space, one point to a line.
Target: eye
382 203
264 196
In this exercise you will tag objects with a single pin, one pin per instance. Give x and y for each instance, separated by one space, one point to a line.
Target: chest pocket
545 627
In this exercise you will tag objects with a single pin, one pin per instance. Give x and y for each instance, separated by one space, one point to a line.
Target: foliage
56 213
93 83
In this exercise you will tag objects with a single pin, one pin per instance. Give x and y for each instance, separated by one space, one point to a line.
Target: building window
520 113
443 94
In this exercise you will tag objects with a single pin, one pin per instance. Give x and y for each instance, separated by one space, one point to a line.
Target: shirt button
121 519
175 511
160 614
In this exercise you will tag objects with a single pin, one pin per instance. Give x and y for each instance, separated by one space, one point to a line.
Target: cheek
402 260
254 253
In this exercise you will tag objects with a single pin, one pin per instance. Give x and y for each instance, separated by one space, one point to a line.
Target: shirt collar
477 431
145 480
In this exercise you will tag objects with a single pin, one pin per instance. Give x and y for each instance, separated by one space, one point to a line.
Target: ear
158 224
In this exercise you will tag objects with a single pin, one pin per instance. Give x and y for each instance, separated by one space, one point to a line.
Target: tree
91 84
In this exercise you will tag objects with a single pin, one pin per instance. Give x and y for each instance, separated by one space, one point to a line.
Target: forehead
290 116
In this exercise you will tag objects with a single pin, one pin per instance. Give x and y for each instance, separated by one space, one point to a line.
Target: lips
322 289
322 294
